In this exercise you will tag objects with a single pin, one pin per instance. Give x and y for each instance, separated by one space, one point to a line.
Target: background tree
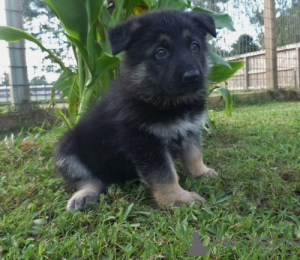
287 25
287 17
244 44
39 80
214 5
4 81
287 20
41 22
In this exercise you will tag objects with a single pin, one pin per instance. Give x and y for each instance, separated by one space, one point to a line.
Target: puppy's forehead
186 33
169 27
167 39
163 37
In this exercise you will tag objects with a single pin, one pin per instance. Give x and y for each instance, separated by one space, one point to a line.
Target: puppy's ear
205 21
121 36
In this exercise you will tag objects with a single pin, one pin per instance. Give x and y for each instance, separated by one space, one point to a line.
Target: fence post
247 80
270 44
18 79
298 67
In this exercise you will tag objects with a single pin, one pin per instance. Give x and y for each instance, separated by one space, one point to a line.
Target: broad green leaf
95 7
79 46
73 102
117 15
150 3
225 93
103 28
11 34
91 33
106 62
105 18
221 73
214 87
65 83
175 4
104 81
72 16
221 20
94 11
217 60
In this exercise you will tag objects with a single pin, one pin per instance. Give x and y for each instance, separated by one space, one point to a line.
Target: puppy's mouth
184 96
184 89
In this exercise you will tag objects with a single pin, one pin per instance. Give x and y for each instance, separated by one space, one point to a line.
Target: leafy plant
86 23
222 70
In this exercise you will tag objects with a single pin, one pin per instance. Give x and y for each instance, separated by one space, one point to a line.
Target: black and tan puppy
151 115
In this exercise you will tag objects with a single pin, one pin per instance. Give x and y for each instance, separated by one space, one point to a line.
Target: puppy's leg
191 157
79 177
158 173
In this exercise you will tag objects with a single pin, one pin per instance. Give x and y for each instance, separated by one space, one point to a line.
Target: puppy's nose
191 76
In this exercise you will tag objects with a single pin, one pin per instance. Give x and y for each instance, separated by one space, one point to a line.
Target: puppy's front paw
170 195
210 173
202 170
81 199
188 198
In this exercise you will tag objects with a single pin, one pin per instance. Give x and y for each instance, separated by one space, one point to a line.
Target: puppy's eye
160 53
194 47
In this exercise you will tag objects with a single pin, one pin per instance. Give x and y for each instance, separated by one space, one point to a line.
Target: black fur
162 84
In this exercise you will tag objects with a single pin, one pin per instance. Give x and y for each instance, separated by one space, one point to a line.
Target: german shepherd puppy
151 115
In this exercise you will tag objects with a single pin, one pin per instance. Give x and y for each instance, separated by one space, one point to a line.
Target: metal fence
38 93
260 25
253 76
266 38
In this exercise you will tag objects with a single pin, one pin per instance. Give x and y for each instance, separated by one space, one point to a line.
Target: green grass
257 194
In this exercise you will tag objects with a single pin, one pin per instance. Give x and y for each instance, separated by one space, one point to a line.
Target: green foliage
86 24
221 20
94 64
220 72
11 34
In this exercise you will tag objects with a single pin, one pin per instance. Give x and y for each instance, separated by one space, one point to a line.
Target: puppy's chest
177 128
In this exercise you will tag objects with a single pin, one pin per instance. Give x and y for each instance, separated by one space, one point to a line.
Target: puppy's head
165 53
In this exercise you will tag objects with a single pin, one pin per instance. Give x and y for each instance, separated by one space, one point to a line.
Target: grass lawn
255 198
